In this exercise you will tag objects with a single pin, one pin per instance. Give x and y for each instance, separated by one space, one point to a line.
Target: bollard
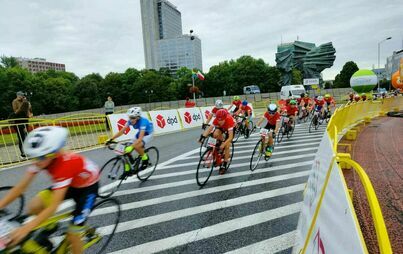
344 165
351 135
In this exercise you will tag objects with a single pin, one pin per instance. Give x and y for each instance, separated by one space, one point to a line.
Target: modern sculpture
306 57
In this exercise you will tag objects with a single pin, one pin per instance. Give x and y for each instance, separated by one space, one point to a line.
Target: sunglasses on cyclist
44 157
133 117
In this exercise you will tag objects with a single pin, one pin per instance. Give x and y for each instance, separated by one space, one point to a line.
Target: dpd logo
160 121
188 117
122 123
196 117
172 121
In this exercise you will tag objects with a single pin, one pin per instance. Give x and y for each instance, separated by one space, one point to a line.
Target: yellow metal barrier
85 131
343 119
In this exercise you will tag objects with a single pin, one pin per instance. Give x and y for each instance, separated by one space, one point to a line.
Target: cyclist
218 105
357 98
350 97
273 123
247 112
73 176
319 105
292 111
363 97
224 123
236 102
143 136
330 101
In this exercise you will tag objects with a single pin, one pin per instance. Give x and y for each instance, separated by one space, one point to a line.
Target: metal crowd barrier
85 131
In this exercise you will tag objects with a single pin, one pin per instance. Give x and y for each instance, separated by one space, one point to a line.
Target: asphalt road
239 212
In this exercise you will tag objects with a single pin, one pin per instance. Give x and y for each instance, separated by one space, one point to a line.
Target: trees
296 77
8 62
342 79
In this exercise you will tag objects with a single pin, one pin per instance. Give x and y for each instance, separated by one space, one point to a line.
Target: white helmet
219 104
320 97
134 112
272 108
45 140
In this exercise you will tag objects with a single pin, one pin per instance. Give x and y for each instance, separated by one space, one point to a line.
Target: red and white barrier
165 121
191 117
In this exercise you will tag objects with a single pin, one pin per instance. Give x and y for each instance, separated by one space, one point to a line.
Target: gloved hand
128 149
109 141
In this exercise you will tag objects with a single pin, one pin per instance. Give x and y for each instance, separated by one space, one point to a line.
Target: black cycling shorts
270 127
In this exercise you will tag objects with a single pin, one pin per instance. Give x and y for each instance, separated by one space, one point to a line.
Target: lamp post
193 79
379 56
149 92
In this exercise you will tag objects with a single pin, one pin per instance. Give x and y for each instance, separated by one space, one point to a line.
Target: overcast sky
103 36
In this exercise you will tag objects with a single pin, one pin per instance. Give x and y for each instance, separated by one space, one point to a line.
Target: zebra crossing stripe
190 194
214 230
272 245
212 178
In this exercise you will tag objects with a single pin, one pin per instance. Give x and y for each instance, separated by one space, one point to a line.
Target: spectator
18 101
189 103
20 123
109 109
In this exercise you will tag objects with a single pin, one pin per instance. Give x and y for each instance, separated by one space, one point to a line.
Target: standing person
18 101
109 107
20 123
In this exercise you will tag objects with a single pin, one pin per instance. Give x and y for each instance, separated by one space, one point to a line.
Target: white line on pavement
214 230
272 245
190 194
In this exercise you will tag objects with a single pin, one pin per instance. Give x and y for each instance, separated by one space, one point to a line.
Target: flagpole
193 83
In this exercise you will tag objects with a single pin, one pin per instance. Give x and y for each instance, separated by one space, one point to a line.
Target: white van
291 91
251 90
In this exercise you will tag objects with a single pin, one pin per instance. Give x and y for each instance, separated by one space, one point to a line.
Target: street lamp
379 55
193 79
150 93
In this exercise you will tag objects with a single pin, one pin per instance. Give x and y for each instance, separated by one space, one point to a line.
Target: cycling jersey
70 170
237 103
228 125
215 109
272 119
246 109
319 103
291 110
299 100
306 100
329 100
142 124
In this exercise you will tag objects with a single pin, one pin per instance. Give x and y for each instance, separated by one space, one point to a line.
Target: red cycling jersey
214 111
246 109
272 119
237 103
319 102
71 170
291 110
307 100
299 100
329 100
228 125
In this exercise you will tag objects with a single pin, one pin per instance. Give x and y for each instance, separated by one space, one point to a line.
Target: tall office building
164 44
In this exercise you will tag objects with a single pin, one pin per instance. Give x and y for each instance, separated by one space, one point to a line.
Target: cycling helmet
236 97
221 114
134 112
306 95
327 95
302 95
219 104
272 108
363 95
293 102
245 102
45 140
320 97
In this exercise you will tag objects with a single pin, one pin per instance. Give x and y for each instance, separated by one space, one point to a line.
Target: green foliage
342 80
56 91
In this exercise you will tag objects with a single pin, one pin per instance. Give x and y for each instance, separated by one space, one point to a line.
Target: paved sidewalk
378 149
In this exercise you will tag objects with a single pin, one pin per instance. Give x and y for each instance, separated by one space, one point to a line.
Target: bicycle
285 128
317 120
116 166
212 157
50 236
203 145
240 128
260 149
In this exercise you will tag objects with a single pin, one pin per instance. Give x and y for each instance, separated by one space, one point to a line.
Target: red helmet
221 114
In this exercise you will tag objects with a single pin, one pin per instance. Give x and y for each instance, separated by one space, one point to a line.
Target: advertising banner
191 117
117 122
206 111
165 121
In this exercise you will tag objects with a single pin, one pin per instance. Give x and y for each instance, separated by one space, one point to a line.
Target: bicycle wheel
291 130
14 209
110 176
280 134
256 155
205 167
101 227
153 158
203 147
231 155
237 134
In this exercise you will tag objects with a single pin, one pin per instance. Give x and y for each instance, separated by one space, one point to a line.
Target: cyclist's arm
260 121
20 233
140 138
209 118
230 137
208 130
120 133
17 190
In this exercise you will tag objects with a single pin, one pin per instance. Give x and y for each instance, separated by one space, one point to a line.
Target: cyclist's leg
85 200
39 202
217 134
